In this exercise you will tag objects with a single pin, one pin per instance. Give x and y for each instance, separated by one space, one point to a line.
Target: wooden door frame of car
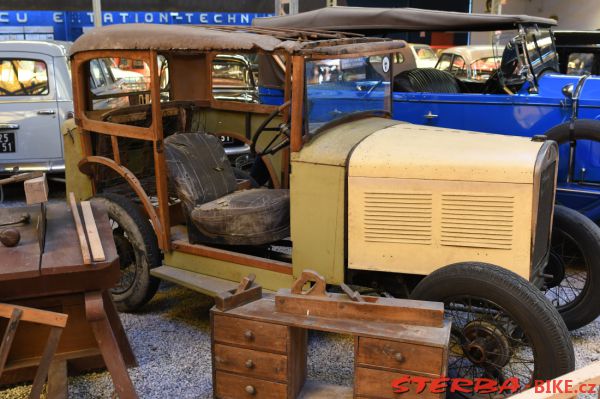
159 215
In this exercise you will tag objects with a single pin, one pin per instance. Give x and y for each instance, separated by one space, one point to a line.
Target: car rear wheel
138 252
574 264
502 326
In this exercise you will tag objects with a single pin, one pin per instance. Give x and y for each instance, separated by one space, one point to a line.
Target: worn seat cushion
251 217
198 168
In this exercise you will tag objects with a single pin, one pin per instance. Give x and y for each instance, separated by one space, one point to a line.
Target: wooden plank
588 375
58 387
92 232
85 251
297 103
20 177
36 190
194 281
42 371
230 256
9 336
264 310
33 315
373 309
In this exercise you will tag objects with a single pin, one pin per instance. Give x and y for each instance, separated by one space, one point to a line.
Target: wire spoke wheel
138 252
487 343
127 258
573 270
568 292
503 328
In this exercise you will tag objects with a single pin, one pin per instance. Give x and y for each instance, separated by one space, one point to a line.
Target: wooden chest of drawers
261 353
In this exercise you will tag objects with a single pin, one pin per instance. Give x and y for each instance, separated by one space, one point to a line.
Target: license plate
226 139
7 142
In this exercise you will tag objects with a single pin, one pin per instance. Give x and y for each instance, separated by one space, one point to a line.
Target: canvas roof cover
380 20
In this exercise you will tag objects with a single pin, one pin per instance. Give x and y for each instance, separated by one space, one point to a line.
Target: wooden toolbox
259 342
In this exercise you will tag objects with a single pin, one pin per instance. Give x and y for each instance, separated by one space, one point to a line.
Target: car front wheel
502 326
138 252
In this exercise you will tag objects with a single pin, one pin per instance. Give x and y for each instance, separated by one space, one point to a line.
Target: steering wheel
271 147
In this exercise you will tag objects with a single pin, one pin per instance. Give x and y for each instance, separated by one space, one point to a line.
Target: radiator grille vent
403 218
477 221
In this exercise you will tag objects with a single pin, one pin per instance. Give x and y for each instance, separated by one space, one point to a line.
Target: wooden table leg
58 387
111 353
118 330
42 371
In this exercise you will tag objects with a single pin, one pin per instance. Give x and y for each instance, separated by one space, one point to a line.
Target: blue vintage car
527 97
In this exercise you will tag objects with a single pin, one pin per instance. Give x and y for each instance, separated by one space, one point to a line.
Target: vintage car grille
543 222
477 221
403 218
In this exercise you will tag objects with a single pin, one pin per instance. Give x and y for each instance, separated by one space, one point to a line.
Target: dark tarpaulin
381 20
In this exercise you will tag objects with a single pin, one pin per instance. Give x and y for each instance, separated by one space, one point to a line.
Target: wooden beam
234 257
85 251
37 316
92 232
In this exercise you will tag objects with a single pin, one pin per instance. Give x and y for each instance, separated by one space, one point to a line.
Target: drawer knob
249 335
249 364
398 356
250 390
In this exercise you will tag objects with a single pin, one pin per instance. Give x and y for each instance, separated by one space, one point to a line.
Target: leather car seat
216 213
426 80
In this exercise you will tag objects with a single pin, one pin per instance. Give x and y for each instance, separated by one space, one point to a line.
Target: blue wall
69 25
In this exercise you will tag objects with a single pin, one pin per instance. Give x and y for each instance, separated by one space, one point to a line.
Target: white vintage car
35 99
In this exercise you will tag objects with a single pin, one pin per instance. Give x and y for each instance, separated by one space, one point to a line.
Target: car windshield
337 88
541 50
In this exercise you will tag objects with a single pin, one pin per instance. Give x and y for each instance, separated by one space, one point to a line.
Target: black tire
576 244
138 252
493 308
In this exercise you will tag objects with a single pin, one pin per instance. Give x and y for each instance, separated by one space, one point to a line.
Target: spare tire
426 80
584 129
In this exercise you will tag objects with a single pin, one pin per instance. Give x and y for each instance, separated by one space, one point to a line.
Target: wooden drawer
370 383
251 363
254 334
233 386
399 355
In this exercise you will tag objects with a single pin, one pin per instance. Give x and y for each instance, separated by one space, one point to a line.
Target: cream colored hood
422 152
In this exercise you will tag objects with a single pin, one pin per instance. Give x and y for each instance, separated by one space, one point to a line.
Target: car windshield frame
376 84
540 48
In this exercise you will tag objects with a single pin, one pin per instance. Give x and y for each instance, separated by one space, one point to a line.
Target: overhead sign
69 24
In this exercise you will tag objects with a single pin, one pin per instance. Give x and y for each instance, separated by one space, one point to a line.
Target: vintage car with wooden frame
352 194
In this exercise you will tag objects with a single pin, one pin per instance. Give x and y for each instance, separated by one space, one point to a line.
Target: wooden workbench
94 337
260 352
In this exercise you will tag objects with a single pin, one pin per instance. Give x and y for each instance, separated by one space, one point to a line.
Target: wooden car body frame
166 220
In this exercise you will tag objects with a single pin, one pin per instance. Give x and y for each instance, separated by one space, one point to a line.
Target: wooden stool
56 322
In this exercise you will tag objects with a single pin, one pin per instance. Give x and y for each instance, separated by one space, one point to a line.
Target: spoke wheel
574 267
127 259
138 251
487 343
502 326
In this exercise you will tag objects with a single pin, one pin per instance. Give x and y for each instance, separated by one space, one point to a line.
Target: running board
202 283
